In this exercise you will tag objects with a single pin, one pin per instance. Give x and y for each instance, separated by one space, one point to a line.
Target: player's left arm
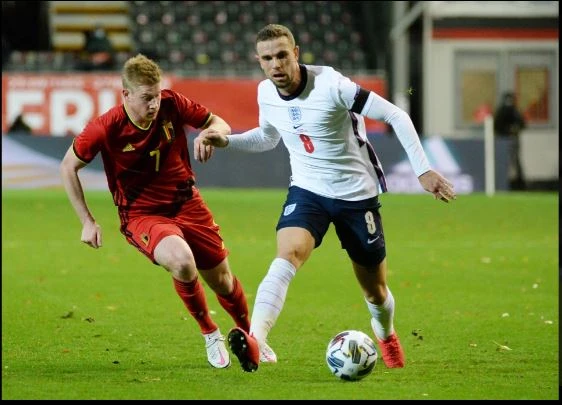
373 106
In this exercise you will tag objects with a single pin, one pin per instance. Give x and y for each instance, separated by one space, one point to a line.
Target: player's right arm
91 231
254 140
260 139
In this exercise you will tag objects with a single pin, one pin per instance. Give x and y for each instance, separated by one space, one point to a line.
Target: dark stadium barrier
32 162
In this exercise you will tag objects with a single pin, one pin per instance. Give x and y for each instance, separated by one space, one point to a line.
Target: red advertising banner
62 104
234 100
57 104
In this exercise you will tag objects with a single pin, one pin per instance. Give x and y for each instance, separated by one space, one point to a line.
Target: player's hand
204 144
441 188
91 234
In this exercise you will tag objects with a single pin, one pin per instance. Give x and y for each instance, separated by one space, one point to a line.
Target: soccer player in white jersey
336 178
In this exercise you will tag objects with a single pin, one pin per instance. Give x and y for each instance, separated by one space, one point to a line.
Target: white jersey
321 126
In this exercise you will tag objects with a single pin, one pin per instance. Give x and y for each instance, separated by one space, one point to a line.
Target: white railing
489 156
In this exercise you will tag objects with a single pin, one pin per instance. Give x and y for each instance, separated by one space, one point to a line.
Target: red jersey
148 170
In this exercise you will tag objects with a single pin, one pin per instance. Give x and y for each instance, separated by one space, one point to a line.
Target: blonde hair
274 31
140 70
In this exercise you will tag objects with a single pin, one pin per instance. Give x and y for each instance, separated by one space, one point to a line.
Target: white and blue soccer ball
351 355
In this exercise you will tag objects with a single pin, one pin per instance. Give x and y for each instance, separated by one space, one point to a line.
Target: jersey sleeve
378 108
89 142
371 105
254 140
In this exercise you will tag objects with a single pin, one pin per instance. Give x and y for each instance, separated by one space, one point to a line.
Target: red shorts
194 223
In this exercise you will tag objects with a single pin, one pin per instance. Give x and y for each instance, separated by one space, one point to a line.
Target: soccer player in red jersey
143 145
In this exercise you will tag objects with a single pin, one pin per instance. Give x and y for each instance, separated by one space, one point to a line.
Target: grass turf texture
475 282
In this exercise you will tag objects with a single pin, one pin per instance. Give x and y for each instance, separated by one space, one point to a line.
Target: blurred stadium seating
199 37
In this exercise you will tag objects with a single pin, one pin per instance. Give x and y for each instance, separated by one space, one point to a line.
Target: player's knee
180 263
295 255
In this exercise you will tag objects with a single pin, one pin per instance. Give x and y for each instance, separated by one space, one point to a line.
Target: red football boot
391 350
245 347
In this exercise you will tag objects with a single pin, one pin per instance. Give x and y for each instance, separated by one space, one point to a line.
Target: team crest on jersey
289 209
168 130
295 114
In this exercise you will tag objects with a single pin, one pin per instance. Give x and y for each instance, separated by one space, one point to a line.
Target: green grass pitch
476 285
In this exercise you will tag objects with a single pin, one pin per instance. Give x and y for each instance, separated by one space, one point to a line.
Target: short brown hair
140 70
274 31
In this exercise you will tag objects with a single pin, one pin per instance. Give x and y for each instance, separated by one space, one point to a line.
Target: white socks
270 297
272 292
382 317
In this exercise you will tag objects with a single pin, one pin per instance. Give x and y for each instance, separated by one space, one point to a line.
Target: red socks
193 296
236 305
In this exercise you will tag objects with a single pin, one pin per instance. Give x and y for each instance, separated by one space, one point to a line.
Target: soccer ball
351 355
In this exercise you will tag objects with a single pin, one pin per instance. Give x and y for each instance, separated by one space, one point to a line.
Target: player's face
279 61
143 103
